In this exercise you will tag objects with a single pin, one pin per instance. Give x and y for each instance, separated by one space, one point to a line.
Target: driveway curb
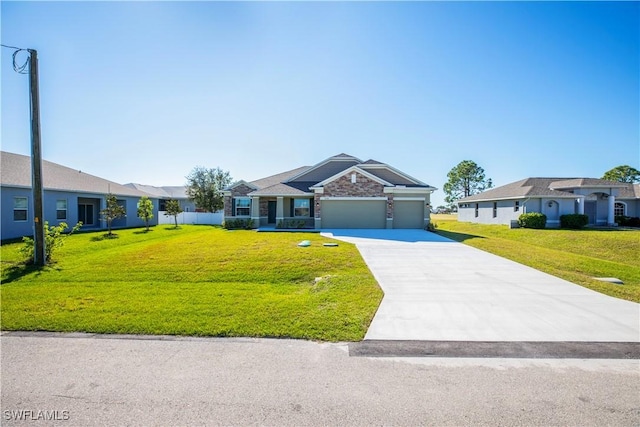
497 349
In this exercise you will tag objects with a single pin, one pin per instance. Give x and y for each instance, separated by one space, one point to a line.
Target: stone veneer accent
363 187
239 191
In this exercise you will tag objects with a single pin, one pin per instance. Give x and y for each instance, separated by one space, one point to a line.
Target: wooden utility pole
39 257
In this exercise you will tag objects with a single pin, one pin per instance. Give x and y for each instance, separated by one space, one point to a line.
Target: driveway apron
438 289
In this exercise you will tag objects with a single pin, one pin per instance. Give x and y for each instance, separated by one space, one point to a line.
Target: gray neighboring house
166 193
339 192
69 196
599 199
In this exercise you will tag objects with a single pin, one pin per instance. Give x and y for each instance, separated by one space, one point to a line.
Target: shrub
575 221
54 236
291 224
627 221
532 220
238 224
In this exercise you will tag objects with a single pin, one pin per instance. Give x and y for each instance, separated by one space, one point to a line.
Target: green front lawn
574 255
196 280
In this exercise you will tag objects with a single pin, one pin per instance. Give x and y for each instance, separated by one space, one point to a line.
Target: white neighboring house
599 199
190 214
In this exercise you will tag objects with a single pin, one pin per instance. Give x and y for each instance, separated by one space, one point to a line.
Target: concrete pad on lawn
442 290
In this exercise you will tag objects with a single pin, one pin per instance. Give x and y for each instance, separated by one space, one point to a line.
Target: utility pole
39 257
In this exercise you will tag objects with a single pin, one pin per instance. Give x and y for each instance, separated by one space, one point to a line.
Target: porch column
317 212
611 217
255 211
279 209
581 206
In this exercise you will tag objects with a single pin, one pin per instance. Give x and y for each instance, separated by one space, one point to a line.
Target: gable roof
326 168
350 170
391 174
302 180
15 171
545 187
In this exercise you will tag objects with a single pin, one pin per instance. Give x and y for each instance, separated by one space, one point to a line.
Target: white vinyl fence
206 218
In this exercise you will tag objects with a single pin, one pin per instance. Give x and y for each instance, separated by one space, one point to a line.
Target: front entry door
271 214
591 211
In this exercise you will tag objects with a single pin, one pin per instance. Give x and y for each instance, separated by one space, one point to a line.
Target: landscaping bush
299 224
575 221
238 224
627 221
54 236
532 220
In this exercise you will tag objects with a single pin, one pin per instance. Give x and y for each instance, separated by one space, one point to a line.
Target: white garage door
354 214
408 214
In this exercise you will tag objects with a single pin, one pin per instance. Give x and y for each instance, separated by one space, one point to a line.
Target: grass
574 255
195 280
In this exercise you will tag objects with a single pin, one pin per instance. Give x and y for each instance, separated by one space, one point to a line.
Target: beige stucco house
339 192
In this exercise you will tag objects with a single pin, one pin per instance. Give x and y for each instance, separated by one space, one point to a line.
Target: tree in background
112 211
466 179
624 173
145 210
172 208
204 187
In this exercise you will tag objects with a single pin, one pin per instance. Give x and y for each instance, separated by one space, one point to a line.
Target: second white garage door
354 214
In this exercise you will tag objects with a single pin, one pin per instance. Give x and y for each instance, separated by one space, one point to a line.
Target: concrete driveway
440 290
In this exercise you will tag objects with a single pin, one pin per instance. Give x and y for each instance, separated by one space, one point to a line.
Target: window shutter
233 207
291 207
311 207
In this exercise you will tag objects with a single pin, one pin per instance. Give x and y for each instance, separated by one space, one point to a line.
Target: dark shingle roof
278 178
298 181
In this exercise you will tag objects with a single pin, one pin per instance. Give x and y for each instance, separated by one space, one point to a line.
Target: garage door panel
354 214
408 214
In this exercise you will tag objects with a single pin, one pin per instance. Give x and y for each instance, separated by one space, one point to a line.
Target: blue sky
145 91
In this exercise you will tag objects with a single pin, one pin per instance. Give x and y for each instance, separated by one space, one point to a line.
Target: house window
618 209
495 209
61 209
476 212
243 207
516 206
20 205
301 207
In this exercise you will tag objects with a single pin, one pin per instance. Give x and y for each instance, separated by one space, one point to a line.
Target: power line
21 69
13 47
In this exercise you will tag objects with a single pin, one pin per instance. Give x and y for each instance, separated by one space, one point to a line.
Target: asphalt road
108 380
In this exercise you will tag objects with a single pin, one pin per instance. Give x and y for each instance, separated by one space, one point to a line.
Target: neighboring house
163 194
599 199
69 196
339 192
